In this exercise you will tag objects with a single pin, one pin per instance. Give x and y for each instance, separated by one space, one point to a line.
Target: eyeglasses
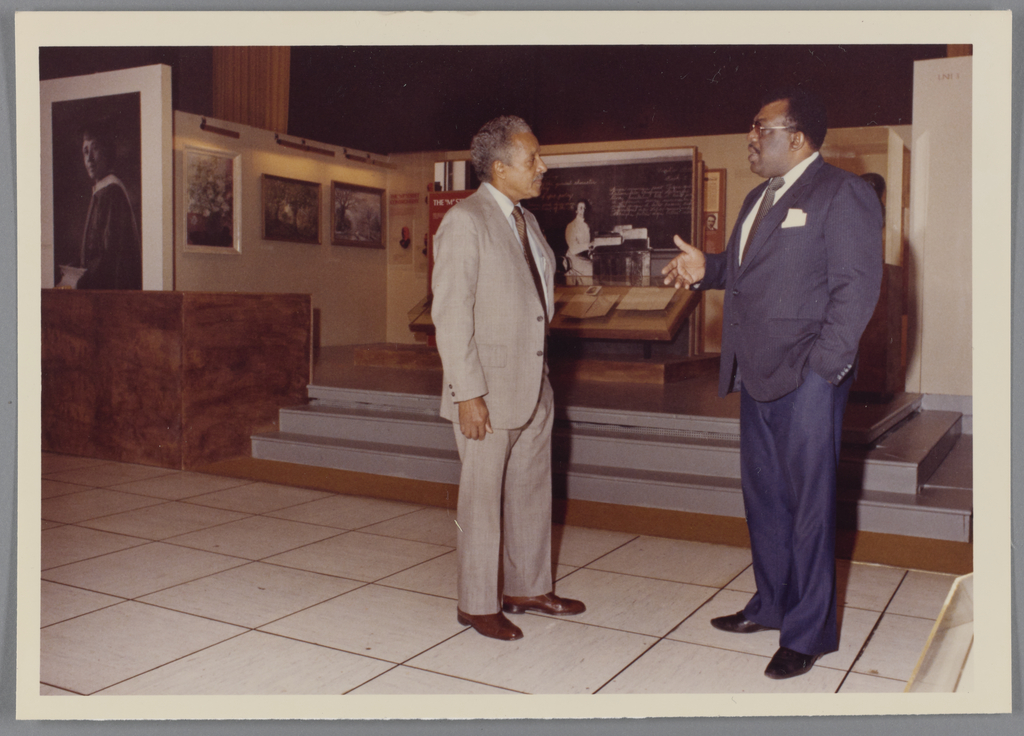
760 129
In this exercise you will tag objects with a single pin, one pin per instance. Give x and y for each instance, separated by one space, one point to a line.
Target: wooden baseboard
933 555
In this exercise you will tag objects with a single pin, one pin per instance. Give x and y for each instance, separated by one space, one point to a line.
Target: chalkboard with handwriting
655 194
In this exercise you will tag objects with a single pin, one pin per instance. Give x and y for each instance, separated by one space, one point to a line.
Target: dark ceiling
392 99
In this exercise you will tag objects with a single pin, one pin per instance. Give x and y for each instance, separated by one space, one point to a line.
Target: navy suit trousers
789 452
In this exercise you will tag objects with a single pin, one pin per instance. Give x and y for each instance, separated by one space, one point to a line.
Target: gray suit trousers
506 477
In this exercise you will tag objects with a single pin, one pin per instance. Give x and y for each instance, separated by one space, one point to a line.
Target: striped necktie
774 184
517 214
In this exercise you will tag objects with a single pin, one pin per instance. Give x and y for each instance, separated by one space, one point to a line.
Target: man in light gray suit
493 285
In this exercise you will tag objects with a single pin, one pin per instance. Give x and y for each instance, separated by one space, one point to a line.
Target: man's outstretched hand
685 269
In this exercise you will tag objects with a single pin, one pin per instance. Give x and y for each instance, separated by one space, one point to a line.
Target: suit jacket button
540 319
540 353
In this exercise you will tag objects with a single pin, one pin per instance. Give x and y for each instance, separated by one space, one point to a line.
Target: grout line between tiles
867 639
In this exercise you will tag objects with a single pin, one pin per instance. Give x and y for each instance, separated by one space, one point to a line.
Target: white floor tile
629 603
251 595
346 512
258 498
255 537
676 560
94 651
179 485
858 683
866 586
108 474
374 621
439 576
744 582
674 667
49 690
854 627
140 570
167 519
578 546
555 656
67 544
561 571
921 594
435 526
60 602
895 647
92 504
858 585
358 556
410 681
56 488
256 664
55 463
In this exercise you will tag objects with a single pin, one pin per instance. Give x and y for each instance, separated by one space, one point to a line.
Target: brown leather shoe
548 603
493 625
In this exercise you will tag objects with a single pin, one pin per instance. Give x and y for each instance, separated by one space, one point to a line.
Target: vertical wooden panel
111 383
250 85
170 379
246 356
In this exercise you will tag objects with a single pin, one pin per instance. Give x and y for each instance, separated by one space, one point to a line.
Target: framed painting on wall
105 153
291 210
356 215
213 217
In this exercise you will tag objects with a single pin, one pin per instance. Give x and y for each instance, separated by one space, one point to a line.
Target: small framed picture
356 215
213 211
291 210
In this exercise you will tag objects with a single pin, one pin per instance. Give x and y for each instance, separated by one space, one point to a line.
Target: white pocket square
795 218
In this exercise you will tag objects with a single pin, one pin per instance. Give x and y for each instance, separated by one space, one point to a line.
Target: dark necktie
774 184
517 214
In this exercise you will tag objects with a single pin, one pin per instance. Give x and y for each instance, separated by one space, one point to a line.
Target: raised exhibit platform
672 447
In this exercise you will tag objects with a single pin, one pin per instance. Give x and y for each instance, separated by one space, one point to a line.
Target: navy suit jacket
804 293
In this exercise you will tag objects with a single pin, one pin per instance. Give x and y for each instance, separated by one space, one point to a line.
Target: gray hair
493 142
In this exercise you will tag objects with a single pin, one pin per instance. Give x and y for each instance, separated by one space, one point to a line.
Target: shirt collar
793 174
504 202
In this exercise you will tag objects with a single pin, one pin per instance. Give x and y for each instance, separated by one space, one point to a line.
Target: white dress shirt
790 178
538 255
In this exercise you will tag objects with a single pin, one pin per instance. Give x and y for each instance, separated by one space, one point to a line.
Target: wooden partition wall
172 379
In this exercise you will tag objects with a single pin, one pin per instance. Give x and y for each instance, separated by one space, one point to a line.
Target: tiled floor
163 582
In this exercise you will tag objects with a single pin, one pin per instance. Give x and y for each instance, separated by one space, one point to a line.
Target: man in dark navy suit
801 275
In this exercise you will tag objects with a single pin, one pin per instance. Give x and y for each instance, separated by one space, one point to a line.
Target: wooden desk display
172 379
658 316
646 314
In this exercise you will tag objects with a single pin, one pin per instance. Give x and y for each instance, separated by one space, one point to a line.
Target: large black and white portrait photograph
97 192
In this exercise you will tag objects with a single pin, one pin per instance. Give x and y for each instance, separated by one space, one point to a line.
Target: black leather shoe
737 623
789 663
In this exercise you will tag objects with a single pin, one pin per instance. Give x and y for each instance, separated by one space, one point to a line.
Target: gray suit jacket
804 293
490 322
